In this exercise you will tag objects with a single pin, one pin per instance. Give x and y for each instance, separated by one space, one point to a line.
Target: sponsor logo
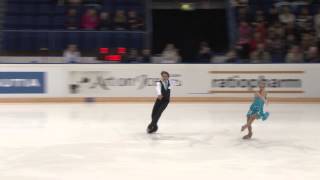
246 81
22 82
95 80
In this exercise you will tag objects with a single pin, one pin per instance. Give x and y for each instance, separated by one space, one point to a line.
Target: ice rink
194 142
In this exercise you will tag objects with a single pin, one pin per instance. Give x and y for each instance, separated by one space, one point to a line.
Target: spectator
262 30
312 55
259 16
273 15
276 47
243 14
257 39
72 20
304 20
74 2
317 23
260 55
286 16
120 20
277 29
90 20
170 54
290 28
290 41
231 56
205 53
295 55
105 21
307 41
244 40
134 22
71 54
133 56
146 56
239 3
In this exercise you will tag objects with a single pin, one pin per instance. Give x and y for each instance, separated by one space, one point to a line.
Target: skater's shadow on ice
190 138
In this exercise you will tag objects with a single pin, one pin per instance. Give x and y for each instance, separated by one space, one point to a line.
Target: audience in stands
90 20
239 2
317 23
105 21
72 20
312 55
245 32
145 56
170 54
273 15
72 54
205 53
133 56
96 18
243 14
231 56
257 39
286 16
120 20
294 55
260 55
276 47
304 20
134 22
74 2
289 31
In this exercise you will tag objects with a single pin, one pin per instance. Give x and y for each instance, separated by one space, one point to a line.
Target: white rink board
138 80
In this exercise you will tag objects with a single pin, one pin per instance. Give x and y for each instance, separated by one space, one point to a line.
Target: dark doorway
186 29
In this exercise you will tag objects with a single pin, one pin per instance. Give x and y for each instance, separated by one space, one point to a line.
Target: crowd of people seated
277 31
95 17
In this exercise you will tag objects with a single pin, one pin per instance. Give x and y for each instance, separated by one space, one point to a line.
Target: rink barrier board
211 83
256 72
251 92
150 100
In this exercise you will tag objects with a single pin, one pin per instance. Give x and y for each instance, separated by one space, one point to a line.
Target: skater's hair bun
262 82
165 72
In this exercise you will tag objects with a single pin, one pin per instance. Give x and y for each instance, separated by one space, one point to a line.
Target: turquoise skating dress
256 109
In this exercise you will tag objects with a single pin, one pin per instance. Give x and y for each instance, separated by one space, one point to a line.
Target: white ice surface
194 142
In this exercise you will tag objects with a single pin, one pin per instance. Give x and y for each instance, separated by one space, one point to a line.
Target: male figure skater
163 90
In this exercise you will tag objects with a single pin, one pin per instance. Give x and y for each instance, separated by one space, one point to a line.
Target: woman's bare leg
244 127
248 125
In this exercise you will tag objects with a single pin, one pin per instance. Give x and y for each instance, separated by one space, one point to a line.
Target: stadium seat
104 39
27 22
58 22
44 15
136 41
43 22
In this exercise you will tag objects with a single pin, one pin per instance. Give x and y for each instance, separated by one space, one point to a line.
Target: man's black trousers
158 108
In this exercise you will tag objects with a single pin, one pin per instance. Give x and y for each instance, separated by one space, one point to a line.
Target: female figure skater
256 110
